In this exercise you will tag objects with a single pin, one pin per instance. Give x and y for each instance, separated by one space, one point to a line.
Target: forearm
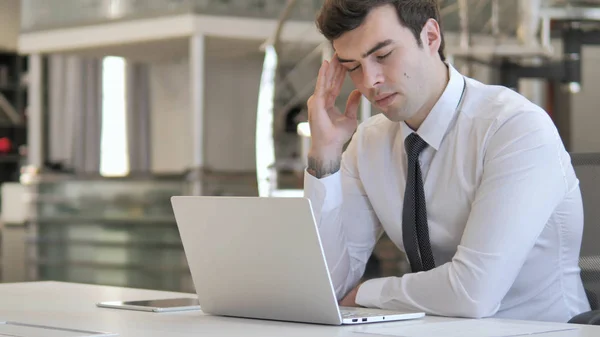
321 168
459 288
347 223
326 200
323 162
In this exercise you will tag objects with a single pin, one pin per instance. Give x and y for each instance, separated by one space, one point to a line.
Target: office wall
9 24
585 106
230 113
170 110
231 102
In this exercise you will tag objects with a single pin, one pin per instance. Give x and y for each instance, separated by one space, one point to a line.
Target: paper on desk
467 328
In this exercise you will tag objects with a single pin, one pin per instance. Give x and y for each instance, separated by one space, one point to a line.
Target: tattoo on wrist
322 168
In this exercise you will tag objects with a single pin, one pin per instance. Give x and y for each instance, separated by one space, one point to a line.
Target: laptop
262 258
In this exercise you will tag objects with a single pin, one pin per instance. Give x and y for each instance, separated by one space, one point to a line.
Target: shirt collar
436 124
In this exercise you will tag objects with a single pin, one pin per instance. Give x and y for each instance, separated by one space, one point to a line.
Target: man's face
387 65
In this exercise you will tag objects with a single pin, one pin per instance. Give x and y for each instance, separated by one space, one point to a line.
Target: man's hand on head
330 129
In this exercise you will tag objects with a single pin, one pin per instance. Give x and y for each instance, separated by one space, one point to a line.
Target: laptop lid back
256 257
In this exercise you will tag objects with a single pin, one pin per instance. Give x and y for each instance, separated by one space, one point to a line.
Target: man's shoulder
498 116
494 105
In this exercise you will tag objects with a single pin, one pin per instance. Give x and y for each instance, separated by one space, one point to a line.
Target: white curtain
75 112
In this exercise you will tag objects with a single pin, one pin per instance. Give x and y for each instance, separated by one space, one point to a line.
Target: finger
309 104
352 104
320 89
338 81
333 65
330 73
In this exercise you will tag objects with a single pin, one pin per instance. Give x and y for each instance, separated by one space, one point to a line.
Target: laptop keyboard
359 312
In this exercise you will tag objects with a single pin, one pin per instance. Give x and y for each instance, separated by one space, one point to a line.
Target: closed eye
378 57
353 69
384 56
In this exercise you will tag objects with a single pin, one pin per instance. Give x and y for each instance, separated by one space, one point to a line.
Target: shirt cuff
326 192
369 293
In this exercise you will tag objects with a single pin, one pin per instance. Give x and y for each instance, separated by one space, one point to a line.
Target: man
470 180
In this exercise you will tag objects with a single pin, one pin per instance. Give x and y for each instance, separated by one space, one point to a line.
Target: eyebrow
371 51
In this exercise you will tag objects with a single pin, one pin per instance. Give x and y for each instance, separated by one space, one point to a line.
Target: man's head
392 49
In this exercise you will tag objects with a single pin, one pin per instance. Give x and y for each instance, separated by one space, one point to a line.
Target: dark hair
337 17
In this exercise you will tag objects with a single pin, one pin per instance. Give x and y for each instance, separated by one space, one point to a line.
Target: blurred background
110 107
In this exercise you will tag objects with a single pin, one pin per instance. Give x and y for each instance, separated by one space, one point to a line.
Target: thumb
352 104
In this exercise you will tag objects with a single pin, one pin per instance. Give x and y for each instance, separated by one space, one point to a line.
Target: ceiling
480 12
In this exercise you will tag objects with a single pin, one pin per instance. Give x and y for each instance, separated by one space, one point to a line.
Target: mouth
385 99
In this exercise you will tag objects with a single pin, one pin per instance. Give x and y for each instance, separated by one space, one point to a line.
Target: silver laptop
262 258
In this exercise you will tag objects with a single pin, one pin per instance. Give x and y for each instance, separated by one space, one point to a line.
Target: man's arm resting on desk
522 183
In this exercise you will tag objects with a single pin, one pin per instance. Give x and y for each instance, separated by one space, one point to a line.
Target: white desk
72 306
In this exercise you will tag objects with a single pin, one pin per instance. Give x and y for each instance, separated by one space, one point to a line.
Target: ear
431 36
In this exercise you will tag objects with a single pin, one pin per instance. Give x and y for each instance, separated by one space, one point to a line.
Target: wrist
323 162
325 152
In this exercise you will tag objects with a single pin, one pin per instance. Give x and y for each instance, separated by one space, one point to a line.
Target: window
113 144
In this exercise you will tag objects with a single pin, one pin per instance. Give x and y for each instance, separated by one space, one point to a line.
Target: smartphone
162 305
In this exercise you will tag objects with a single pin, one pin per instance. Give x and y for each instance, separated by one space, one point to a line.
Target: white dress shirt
504 210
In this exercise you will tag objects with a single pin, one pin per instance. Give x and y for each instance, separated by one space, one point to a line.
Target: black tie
415 230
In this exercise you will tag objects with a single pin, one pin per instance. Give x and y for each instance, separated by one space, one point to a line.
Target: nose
372 76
